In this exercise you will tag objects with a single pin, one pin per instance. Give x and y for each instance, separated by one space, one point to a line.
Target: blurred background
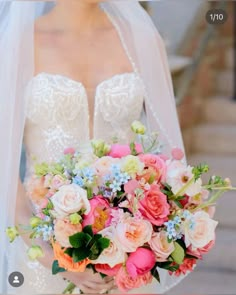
201 58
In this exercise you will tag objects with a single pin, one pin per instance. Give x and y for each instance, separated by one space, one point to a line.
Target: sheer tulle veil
144 45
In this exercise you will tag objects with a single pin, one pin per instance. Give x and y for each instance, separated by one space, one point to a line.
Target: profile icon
16 279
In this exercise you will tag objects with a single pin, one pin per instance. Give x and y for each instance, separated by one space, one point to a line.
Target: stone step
214 138
206 282
220 110
225 82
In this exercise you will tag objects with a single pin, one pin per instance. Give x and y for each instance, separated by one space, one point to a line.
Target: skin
76 40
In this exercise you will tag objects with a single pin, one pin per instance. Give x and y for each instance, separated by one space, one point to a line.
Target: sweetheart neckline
61 76
133 73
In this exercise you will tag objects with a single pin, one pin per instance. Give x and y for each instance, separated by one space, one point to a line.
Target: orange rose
65 261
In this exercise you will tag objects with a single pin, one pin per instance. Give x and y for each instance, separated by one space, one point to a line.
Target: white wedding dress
57 117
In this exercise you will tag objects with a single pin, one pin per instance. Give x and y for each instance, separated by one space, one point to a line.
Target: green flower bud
35 221
75 218
100 148
12 233
138 128
35 252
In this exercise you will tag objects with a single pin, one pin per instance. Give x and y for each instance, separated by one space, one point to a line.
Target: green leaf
89 193
168 265
155 273
178 254
79 240
88 230
178 204
56 268
69 251
103 243
80 254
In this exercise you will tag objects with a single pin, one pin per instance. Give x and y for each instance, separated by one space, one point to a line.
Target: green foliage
199 170
178 254
155 273
41 169
168 265
87 245
133 149
56 268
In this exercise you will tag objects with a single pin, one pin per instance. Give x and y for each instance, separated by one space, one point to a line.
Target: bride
74 70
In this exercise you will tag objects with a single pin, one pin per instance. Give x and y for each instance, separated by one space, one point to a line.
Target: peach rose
157 165
112 255
140 262
99 216
125 282
63 229
160 246
70 199
66 262
202 232
154 206
103 167
36 190
133 233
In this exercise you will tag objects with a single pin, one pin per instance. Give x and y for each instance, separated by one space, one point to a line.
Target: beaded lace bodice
58 114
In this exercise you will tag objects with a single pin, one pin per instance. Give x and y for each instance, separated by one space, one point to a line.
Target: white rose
202 231
70 199
112 255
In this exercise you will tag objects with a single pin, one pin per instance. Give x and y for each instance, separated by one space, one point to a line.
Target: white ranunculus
112 255
202 231
70 199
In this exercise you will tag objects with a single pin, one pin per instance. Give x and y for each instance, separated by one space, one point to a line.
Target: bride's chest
53 99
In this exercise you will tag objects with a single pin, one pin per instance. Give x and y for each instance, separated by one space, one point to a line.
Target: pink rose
119 151
63 229
140 262
154 206
132 233
69 150
157 164
160 246
99 216
107 270
125 282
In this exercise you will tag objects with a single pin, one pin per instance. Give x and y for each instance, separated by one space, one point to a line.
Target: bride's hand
90 282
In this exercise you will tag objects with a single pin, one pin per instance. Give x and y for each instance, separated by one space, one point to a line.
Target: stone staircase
213 140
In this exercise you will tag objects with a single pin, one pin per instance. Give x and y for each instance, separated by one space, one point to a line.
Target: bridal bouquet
123 211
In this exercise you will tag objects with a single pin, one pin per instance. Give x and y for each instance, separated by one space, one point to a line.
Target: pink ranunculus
154 206
107 270
177 154
132 233
125 282
63 229
131 186
119 151
157 164
161 247
186 266
99 216
69 150
140 262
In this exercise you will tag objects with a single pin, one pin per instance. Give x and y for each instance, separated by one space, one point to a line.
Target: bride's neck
79 15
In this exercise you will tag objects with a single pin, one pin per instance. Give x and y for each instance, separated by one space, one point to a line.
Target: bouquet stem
69 289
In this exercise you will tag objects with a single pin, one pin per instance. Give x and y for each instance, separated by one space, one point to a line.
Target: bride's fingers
98 287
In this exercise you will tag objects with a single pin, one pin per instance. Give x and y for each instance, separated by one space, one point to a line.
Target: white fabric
147 55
